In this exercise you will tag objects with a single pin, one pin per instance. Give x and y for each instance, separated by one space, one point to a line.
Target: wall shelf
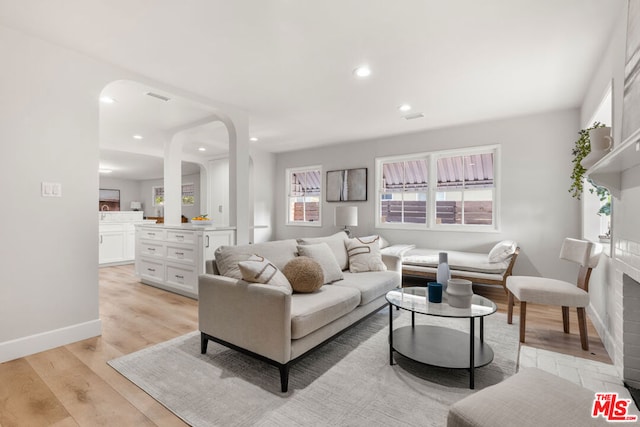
607 172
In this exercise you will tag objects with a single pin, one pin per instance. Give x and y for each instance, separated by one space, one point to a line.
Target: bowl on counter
201 221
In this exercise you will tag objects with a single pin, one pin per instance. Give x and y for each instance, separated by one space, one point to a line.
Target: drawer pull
180 253
179 276
151 249
151 269
150 234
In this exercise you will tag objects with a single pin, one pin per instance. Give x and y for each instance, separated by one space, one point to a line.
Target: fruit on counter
200 218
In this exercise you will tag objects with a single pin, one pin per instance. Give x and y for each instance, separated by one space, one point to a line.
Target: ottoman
532 397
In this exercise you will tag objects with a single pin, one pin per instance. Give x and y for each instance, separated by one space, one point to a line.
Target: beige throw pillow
258 269
364 255
337 243
502 251
323 255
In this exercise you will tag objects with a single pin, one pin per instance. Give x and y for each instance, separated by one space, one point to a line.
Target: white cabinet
172 257
111 243
117 237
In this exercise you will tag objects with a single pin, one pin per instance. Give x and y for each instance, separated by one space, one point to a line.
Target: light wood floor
73 385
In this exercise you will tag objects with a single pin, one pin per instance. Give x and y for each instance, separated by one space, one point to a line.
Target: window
465 189
304 192
188 195
403 198
455 189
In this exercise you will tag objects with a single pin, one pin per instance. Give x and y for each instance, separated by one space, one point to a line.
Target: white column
239 177
172 181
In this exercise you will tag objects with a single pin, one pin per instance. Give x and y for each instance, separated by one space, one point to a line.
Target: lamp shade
346 216
136 206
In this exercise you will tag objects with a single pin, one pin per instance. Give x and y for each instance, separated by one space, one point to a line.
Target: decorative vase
434 291
443 274
459 293
601 143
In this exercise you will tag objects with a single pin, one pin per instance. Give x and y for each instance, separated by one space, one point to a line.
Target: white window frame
289 172
153 194
432 158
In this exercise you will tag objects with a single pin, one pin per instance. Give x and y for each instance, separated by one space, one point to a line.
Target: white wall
49 131
146 196
129 190
605 305
536 207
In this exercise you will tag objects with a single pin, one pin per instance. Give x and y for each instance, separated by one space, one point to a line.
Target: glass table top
415 299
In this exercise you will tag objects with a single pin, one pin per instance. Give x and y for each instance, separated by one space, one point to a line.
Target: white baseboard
32 344
605 336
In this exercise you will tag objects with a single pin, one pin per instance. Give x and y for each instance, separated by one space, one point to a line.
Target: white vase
601 143
459 293
443 273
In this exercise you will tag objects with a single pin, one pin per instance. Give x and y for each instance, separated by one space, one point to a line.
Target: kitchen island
171 257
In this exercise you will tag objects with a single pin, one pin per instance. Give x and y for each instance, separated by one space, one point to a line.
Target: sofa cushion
310 312
371 284
304 274
364 255
258 269
337 244
322 253
279 252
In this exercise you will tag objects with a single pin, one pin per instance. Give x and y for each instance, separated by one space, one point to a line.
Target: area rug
347 382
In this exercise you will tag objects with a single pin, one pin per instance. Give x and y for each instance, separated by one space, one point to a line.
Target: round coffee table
438 345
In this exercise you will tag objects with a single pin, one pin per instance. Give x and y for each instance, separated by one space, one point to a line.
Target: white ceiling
289 64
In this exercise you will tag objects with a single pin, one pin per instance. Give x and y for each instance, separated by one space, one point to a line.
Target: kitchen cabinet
117 237
172 257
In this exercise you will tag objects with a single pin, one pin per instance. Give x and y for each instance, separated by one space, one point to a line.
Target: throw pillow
258 269
322 254
304 274
502 251
336 242
364 255
381 241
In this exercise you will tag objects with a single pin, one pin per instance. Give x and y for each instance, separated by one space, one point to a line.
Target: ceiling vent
158 96
413 116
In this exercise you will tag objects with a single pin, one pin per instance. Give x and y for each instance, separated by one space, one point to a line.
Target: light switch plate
51 189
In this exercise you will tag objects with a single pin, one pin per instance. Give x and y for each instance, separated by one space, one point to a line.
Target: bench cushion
310 312
464 261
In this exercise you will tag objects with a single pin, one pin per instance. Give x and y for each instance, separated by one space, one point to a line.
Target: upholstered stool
531 397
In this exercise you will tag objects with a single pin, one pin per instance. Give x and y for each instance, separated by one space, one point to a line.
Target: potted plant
581 149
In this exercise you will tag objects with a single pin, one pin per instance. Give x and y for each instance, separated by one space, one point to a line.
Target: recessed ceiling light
253 139
404 107
107 100
362 71
137 137
202 149
105 170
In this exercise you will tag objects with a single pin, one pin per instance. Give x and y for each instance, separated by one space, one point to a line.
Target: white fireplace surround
627 280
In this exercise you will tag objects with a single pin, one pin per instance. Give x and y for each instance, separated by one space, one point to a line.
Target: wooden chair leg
523 318
510 309
565 319
582 325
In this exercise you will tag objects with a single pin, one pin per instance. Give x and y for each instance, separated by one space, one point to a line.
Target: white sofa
276 325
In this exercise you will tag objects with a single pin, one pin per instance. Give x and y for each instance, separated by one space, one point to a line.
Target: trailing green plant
581 149
604 196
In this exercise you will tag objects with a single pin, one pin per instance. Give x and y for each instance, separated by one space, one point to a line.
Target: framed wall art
347 185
